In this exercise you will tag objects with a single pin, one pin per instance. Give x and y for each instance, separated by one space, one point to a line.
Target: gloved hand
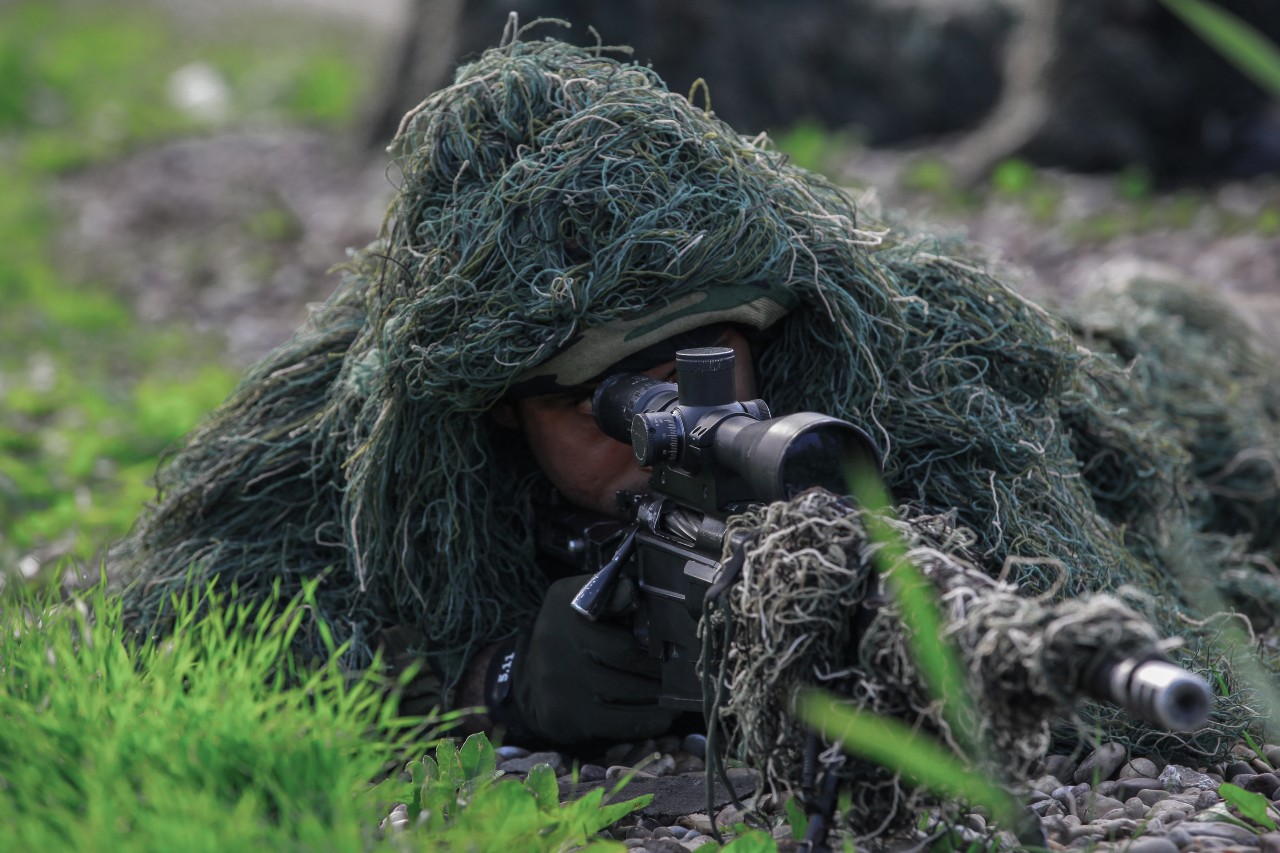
571 680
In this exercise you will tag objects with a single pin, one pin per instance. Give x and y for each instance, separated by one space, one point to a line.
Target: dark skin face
585 465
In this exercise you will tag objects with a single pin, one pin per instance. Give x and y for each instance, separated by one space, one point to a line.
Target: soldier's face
587 466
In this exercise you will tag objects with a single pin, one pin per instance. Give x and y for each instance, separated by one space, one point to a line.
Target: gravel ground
1103 801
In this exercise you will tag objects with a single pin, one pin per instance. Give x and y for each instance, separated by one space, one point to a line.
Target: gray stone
695 744
1180 837
1215 829
1101 764
1139 767
616 753
1269 842
1091 808
1040 808
1056 827
1117 827
1061 766
591 773
634 843
1148 844
675 798
531 760
1207 799
1272 752
506 752
1136 808
665 765
668 743
1130 787
1264 784
1107 788
640 753
1171 810
664 845
1237 768
1151 796
1175 777
1046 782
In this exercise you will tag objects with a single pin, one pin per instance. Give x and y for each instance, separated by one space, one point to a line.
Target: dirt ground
232 235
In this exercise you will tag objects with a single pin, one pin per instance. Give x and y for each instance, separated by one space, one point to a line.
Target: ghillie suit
558 204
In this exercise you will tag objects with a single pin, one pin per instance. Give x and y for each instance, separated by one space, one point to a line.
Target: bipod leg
821 808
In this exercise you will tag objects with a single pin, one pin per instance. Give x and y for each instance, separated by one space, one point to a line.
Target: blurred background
177 177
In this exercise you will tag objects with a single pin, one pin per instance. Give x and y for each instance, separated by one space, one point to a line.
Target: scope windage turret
1155 690
698 424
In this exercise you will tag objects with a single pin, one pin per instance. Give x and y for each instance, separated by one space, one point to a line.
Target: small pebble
1264 784
1061 766
616 753
1091 808
686 763
591 773
1269 843
695 744
668 743
506 752
664 845
1272 752
663 832
1148 844
730 816
1237 768
665 765
1101 764
1175 777
1151 796
641 752
1140 767
617 771
1044 807
1126 788
1207 799
528 762
1231 832
1135 808
634 843
697 821
1046 783
1180 837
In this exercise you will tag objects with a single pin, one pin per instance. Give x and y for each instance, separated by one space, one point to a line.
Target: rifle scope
709 447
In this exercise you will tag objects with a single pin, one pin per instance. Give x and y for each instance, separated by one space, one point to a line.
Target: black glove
572 680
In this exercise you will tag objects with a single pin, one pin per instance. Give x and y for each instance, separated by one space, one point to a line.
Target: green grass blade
890 743
1237 40
939 664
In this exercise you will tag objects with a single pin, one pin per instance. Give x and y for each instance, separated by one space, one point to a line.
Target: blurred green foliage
90 398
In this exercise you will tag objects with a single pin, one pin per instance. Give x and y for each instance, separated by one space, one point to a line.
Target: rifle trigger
595 594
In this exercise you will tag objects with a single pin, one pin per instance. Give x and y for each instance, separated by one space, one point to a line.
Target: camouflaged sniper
552 197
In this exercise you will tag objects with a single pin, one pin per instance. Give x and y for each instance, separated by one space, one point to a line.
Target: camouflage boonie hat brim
596 351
